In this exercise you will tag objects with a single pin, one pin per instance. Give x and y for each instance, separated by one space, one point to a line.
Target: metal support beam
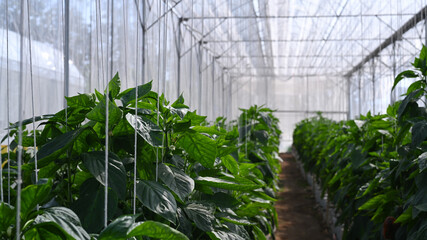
421 15
310 112
300 16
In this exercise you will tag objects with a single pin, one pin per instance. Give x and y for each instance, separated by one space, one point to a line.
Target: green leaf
202 214
422 207
118 229
47 230
419 133
405 216
90 205
223 200
30 120
114 86
128 96
374 202
422 161
82 100
7 216
95 163
155 230
226 184
157 198
231 164
179 182
209 130
415 85
200 148
146 129
99 114
224 235
194 118
233 218
65 218
262 136
259 235
55 147
404 74
33 195
413 96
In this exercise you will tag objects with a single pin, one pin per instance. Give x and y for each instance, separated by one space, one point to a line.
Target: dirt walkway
299 218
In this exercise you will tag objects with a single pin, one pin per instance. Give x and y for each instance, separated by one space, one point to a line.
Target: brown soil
299 215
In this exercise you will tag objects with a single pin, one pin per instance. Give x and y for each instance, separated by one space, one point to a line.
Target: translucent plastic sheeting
297 56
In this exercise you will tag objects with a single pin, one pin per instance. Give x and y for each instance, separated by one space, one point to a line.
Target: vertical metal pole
200 59
144 37
213 88
66 50
373 85
359 88
348 98
178 49
112 40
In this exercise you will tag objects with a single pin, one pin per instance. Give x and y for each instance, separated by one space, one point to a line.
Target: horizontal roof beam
300 40
299 16
397 35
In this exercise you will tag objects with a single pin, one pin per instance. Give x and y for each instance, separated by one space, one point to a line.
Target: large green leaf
402 75
66 219
146 129
157 198
118 229
82 100
90 205
33 195
411 97
47 230
226 184
30 120
224 235
200 147
95 163
230 163
259 235
55 147
202 214
422 161
155 230
7 216
179 182
128 96
114 86
419 133
99 114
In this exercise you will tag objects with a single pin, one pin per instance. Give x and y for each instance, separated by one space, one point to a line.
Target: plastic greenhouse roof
283 39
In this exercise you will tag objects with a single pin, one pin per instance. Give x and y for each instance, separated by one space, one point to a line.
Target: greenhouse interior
213 106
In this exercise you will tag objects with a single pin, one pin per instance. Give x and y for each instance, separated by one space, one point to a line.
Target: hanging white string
8 101
191 54
107 102
158 86
32 97
165 38
106 98
135 154
20 106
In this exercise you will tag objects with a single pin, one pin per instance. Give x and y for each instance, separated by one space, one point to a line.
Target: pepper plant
171 175
374 168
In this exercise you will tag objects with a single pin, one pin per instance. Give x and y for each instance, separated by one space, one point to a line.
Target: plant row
169 174
374 169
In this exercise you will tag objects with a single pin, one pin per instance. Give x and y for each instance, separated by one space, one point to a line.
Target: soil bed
299 215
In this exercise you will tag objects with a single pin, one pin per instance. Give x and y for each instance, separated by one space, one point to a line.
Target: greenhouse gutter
421 15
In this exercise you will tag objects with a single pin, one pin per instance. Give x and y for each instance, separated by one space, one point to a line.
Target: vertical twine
32 97
20 106
136 109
